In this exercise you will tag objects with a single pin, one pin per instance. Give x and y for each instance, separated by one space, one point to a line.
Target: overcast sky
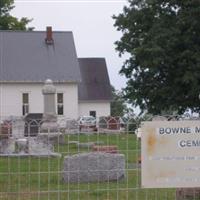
90 21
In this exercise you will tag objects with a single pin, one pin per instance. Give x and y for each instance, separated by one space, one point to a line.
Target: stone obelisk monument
49 115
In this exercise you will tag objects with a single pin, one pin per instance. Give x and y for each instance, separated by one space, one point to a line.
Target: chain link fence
75 161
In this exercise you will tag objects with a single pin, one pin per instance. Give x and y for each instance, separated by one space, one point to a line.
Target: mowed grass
41 178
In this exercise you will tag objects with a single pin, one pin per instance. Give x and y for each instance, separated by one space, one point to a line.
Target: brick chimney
49 35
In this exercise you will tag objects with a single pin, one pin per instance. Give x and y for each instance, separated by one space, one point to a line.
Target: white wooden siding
101 108
11 98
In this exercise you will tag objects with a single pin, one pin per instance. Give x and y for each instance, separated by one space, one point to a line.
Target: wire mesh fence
74 161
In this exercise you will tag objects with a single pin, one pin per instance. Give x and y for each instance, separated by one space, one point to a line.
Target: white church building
28 58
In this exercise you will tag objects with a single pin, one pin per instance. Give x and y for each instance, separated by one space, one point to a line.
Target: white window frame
25 106
60 104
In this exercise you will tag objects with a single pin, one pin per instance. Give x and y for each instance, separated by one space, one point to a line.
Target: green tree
118 104
162 39
8 22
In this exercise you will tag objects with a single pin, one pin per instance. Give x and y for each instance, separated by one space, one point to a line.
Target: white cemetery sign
170 154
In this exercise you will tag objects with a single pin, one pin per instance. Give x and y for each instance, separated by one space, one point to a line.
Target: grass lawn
40 178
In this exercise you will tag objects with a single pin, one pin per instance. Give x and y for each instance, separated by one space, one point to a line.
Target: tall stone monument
49 115
50 132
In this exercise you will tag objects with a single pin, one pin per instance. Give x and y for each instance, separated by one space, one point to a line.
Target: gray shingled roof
95 84
24 56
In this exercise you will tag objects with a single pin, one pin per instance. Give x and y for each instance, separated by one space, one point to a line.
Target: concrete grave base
26 147
93 167
51 138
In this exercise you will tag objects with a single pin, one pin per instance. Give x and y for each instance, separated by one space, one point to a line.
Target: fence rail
33 163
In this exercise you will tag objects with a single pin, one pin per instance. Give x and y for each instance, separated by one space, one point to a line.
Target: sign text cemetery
170 154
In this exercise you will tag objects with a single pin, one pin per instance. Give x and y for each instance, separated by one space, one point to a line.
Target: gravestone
38 147
18 128
49 132
49 116
7 146
72 124
93 167
22 145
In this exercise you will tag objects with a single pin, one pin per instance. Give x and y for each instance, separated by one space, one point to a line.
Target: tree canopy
118 104
8 22
163 41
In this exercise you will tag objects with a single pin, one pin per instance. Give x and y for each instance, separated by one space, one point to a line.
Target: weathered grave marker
50 129
93 167
49 116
